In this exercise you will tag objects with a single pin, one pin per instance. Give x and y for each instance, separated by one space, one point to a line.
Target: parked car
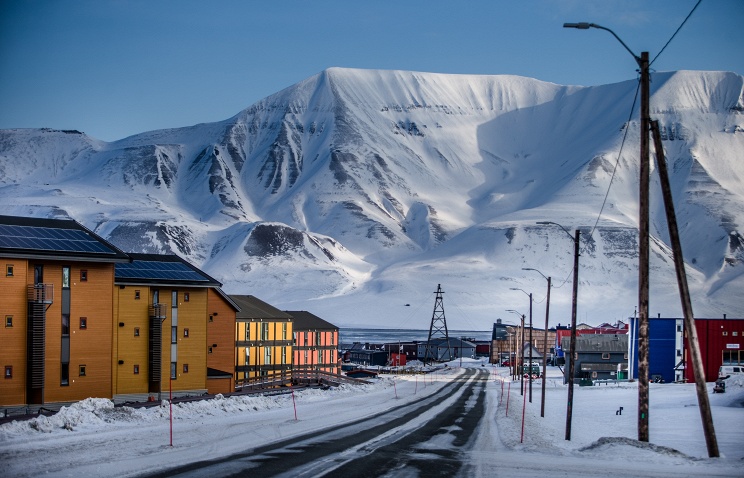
728 370
506 363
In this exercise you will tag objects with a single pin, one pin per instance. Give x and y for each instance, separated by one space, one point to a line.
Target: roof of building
598 343
254 308
40 238
440 342
162 269
304 320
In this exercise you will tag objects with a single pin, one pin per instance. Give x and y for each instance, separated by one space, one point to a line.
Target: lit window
8 371
82 371
185 368
9 270
136 331
83 322
83 275
9 321
136 369
185 332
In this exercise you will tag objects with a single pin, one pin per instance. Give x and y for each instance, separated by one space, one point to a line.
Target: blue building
665 349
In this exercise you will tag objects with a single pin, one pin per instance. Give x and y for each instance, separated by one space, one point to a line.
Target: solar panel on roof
50 239
158 270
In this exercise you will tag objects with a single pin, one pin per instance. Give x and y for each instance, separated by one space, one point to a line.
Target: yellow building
162 314
56 300
263 342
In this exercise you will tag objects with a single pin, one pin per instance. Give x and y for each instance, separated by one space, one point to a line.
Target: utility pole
643 255
572 350
684 293
530 376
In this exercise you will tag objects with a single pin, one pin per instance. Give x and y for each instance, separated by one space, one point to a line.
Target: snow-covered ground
92 438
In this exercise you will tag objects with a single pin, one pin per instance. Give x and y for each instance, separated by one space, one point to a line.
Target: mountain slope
355 192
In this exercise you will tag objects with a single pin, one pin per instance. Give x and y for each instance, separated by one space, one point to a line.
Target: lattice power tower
437 332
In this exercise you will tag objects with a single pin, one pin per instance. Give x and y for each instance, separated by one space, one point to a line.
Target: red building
721 343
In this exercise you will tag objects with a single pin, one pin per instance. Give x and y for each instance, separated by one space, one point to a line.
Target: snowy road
420 437
452 422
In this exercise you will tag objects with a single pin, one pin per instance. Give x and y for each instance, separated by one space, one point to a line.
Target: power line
675 33
619 155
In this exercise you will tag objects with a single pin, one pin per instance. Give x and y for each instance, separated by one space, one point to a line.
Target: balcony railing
158 311
41 293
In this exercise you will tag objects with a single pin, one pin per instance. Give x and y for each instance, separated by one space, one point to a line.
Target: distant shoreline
348 335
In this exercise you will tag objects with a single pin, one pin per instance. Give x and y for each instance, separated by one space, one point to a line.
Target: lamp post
643 268
529 294
643 232
545 340
572 346
520 349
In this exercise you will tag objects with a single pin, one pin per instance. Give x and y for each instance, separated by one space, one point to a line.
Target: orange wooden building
56 299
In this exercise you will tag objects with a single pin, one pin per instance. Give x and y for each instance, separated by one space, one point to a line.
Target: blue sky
117 68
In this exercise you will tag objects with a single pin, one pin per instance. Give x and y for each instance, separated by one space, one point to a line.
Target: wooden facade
263 338
315 343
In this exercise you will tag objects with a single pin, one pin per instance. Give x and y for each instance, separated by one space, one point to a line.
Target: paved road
427 437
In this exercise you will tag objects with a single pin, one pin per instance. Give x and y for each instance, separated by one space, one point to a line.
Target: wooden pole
684 293
545 351
643 256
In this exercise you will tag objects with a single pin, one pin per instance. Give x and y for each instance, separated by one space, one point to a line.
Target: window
185 296
83 275
174 335
265 331
247 331
725 333
9 321
9 270
65 324
65 374
136 295
136 331
605 356
185 368
211 318
294 338
185 332
679 353
66 277
735 334
174 298
267 355
173 370
83 323
82 371
332 334
136 369
155 297
247 353
284 331
305 339
305 356
317 338
284 355
8 371
209 350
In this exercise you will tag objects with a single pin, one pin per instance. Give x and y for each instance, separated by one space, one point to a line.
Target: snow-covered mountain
354 193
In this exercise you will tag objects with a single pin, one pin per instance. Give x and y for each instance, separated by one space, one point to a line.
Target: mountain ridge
358 188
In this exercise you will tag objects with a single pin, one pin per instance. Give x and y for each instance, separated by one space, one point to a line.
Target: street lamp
643 267
529 294
520 349
545 340
572 347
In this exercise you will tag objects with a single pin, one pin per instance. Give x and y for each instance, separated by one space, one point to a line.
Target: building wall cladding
221 332
13 306
721 340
